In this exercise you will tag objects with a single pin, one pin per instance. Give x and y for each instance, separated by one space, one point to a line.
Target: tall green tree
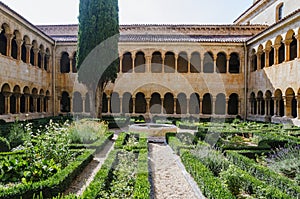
97 53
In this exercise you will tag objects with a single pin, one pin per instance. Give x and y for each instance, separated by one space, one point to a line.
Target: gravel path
87 175
169 178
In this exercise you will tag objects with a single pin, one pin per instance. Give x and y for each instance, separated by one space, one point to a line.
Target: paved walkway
169 178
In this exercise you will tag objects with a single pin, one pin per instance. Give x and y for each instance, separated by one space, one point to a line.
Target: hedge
210 185
263 173
54 185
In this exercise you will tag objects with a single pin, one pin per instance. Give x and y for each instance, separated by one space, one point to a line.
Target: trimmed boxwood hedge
53 185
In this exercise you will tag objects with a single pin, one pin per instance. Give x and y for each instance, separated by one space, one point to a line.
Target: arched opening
293 48
74 68
155 103
169 65
104 103
127 63
233 104
38 102
23 51
208 63
253 107
221 63
156 62
127 103
46 59
14 47
77 103
140 62
181 104
168 103
261 103
65 102
32 55
41 50
281 53
253 61
13 102
115 102
291 103
195 62
279 103
194 106
220 104
140 103
207 104
271 57
263 60
234 63
65 63
182 62
22 103
279 11
87 103
3 41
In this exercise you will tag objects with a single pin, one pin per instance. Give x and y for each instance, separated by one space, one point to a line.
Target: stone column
267 54
7 102
287 105
287 49
34 103
213 105
175 105
83 104
226 106
121 65
133 62
276 53
27 103
258 106
189 64
298 46
121 104
71 64
258 54
35 51
275 106
267 107
42 60
19 48
18 102
176 63
148 105
108 103
162 106
163 63
28 48
188 106
227 63
71 104
200 105
42 98
148 64
133 105
215 63
9 38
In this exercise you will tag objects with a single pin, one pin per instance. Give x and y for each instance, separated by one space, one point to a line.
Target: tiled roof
183 38
65 38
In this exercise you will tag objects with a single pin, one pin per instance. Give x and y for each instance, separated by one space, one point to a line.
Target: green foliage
121 140
4 145
210 185
263 173
18 134
241 182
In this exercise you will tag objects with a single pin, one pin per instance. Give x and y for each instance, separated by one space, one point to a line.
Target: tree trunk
92 103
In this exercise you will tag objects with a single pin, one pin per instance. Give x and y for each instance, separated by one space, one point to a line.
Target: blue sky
136 11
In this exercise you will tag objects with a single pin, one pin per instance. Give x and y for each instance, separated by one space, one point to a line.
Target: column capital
7 94
287 41
19 42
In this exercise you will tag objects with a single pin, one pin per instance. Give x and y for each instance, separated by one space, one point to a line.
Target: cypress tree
97 57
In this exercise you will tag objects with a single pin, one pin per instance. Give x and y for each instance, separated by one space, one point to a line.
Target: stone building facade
248 69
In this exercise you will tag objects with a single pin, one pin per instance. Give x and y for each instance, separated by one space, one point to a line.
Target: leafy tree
97 57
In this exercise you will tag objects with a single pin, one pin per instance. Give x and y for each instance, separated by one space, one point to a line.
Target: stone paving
169 178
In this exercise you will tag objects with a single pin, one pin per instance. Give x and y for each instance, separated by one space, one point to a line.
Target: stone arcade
250 68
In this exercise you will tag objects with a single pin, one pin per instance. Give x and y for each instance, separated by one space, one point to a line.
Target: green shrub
18 133
4 145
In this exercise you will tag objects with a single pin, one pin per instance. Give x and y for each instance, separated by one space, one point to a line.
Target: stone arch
127 103
77 102
169 64
65 62
279 12
182 62
155 104
194 104
281 49
181 104
233 104
208 63
115 102
221 62
220 104
168 103
207 104
290 36
3 39
65 105
127 63
234 63
140 103
195 62
156 62
291 103
140 62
